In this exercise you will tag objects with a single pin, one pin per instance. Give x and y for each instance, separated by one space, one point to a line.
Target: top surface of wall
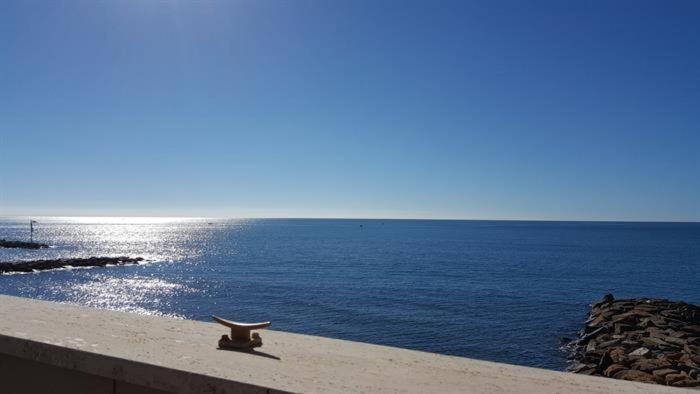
182 356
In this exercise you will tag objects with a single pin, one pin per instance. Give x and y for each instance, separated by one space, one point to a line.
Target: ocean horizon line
185 217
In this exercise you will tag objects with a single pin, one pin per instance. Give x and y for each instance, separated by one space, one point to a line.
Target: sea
506 291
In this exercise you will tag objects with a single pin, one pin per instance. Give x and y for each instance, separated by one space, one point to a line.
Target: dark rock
688 361
43 265
578 367
607 344
635 335
676 341
607 299
694 373
604 362
646 340
597 321
649 365
621 327
592 357
675 377
631 316
676 334
22 245
640 352
661 373
669 313
584 339
686 383
628 343
589 371
674 355
656 332
651 322
613 369
651 341
618 355
591 346
637 376
692 329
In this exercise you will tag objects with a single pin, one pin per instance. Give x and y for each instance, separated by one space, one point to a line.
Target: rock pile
641 339
42 265
20 244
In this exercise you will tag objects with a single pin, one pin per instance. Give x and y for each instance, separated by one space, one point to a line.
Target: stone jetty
23 245
43 265
641 339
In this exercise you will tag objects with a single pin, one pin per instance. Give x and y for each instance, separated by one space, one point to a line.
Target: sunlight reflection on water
471 284
139 294
139 289
154 239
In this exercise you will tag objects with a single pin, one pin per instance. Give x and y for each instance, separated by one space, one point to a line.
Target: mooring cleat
241 338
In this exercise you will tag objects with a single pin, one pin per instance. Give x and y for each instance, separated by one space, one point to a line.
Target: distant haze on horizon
541 110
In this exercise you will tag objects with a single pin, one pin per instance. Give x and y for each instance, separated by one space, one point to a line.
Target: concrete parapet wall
77 349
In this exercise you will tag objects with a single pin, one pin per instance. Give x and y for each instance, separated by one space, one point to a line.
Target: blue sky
583 110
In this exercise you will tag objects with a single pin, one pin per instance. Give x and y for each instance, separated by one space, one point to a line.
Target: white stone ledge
180 356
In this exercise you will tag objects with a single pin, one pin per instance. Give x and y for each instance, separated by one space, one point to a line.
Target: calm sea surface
501 291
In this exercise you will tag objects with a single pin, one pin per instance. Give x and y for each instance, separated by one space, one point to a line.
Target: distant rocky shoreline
43 265
645 340
22 245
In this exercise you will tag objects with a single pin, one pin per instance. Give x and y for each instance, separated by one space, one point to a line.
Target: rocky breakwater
641 339
43 265
23 245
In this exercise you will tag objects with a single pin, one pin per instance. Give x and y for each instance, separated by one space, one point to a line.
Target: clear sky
585 110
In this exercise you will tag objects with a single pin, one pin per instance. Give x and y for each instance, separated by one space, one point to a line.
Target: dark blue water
493 290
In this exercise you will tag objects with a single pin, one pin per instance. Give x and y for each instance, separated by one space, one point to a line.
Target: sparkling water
494 290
